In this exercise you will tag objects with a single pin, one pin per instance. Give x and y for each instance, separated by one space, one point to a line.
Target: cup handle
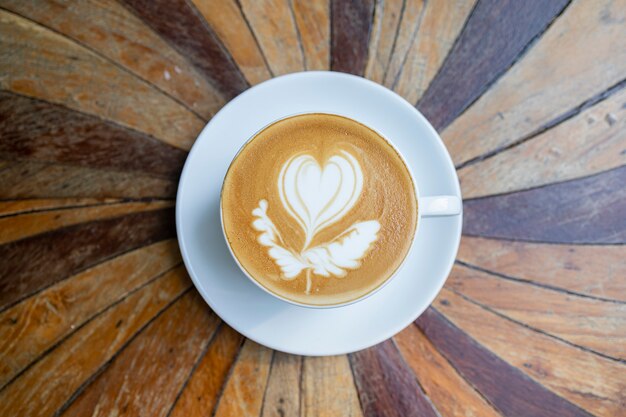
441 205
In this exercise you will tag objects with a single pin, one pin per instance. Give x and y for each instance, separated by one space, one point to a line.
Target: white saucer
256 314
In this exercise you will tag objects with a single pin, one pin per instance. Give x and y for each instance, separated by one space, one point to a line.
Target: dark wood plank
510 391
386 385
351 24
13 207
28 179
495 34
178 22
34 263
146 376
40 131
588 210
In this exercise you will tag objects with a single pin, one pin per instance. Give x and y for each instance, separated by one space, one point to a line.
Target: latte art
316 197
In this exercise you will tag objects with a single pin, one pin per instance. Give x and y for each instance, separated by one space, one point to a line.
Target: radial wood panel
100 100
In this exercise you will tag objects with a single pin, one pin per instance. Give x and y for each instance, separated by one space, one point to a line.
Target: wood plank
449 392
313 20
386 24
26 179
146 376
179 24
588 210
40 131
36 324
30 224
49 383
593 324
8 208
37 262
589 270
439 27
227 20
386 385
282 396
507 388
274 26
595 384
351 24
494 36
328 388
549 81
199 397
244 390
591 142
410 20
118 35
48 66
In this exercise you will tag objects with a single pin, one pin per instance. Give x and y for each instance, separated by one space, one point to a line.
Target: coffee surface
319 209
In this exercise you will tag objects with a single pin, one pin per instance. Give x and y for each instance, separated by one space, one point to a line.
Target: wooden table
100 101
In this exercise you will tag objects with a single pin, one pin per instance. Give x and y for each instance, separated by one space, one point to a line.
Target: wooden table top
100 101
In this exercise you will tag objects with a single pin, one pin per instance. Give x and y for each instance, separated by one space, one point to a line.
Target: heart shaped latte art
317 196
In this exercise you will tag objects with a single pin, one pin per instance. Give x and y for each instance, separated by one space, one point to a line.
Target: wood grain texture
410 20
46 65
30 224
36 324
450 393
227 20
594 383
282 395
37 262
178 23
49 383
37 130
508 389
385 27
582 321
588 210
8 208
595 271
591 142
274 26
313 21
494 36
201 394
244 391
548 82
26 179
351 25
439 26
146 376
328 388
386 385
118 35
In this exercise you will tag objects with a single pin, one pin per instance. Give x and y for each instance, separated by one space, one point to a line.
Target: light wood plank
243 393
274 26
441 23
25 225
581 55
328 388
282 396
226 18
591 142
449 392
387 16
49 383
313 20
29 206
31 327
120 36
592 382
46 65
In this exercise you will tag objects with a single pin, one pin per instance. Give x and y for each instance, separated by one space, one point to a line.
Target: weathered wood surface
100 101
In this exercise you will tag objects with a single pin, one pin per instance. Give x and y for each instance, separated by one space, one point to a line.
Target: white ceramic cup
430 206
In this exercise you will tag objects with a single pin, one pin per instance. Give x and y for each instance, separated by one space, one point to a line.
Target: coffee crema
319 209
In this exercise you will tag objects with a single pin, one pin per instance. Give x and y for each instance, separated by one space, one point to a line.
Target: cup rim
371 292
